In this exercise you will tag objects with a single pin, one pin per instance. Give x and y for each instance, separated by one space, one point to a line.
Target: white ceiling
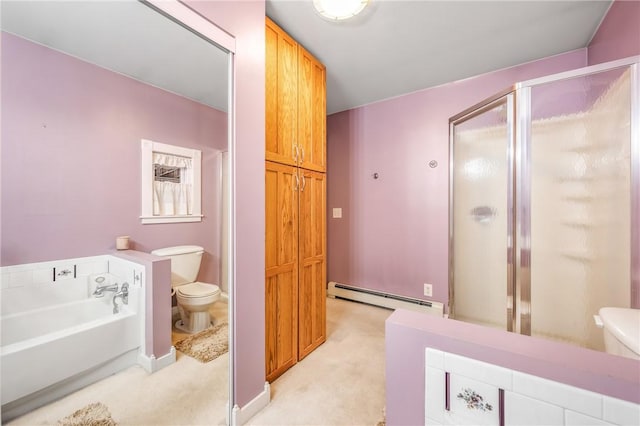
396 47
127 37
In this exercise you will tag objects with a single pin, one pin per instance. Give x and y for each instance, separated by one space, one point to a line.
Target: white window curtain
169 198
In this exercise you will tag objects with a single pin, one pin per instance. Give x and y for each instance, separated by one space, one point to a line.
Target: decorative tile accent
64 271
474 400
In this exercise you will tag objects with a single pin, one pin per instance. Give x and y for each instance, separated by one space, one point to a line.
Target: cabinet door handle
302 155
297 183
304 183
294 149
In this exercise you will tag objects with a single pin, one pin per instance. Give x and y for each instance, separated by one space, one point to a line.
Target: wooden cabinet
312 112
312 263
281 268
281 119
295 103
295 275
295 260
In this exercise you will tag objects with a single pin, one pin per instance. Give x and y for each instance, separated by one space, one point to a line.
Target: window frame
148 147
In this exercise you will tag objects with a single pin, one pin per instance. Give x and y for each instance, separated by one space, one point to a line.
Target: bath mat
206 345
96 414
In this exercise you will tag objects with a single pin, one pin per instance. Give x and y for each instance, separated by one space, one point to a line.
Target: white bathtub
52 350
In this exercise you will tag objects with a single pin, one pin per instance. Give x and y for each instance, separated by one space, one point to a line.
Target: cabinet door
281 95
281 274
312 112
312 269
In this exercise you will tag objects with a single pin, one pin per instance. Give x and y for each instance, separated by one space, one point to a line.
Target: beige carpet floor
341 383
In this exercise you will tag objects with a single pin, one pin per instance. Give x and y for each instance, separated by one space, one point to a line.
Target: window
171 183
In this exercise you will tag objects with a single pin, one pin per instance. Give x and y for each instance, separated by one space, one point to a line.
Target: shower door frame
518 292
508 98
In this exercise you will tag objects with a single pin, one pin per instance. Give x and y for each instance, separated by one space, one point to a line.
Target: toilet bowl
621 327
194 298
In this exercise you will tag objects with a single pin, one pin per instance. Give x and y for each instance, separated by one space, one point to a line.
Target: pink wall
618 35
407 334
393 235
71 158
245 21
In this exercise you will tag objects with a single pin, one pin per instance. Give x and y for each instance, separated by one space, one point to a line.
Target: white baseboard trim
240 416
385 300
151 364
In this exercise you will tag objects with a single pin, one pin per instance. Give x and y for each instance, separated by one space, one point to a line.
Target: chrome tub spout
122 294
99 292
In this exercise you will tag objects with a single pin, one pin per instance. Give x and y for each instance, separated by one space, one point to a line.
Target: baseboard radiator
385 300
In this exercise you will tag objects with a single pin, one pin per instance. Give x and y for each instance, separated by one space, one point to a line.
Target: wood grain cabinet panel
312 267
312 112
281 273
281 94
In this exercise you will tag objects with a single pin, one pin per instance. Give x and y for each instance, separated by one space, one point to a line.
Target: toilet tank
185 263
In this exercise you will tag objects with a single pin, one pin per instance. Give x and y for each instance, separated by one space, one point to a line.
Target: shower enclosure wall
544 204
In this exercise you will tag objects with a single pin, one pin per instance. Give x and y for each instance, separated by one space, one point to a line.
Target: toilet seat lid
624 324
198 289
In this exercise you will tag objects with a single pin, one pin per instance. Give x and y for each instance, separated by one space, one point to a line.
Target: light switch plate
337 213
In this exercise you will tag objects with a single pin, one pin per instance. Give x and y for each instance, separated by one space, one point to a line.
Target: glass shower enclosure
545 204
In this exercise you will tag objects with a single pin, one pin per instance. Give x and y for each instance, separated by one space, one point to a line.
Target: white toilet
621 328
194 298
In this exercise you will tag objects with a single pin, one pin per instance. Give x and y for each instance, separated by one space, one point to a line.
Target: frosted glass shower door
580 186
480 223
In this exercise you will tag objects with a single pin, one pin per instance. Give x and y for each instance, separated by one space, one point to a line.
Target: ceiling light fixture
338 10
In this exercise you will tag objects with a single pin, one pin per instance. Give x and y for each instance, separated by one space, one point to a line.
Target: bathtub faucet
102 288
123 294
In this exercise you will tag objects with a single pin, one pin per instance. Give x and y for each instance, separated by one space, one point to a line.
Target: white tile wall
29 274
93 266
4 280
522 410
478 370
529 400
21 282
620 412
434 395
126 271
435 358
576 399
571 418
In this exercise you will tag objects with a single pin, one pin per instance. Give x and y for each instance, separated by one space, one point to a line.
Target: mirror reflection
90 282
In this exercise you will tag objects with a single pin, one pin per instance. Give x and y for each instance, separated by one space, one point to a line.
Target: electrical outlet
428 290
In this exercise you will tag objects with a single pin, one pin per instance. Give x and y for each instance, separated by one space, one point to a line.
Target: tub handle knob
123 294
